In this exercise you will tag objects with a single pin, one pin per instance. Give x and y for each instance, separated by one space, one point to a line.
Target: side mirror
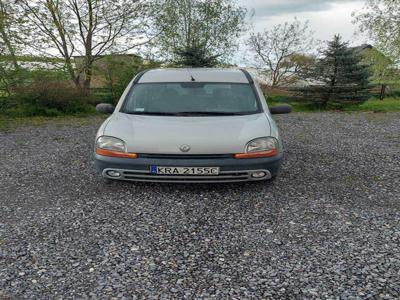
280 109
105 108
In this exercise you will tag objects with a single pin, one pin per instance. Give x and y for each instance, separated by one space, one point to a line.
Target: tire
273 178
107 180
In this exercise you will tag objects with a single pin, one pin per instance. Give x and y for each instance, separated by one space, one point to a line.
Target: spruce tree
195 56
338 77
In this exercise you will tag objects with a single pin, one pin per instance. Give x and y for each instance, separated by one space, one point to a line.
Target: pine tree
338 77
195 56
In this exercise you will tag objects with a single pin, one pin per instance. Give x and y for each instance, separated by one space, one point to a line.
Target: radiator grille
223 176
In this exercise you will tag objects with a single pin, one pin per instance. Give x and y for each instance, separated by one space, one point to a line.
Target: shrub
52 96
46 94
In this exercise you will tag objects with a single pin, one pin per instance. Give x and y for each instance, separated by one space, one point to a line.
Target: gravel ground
328 227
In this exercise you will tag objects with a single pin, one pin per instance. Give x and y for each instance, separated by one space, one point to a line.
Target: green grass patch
297 106
27 111
390 104
9 124
376 105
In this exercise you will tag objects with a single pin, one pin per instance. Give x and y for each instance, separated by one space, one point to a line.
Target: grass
296 106
390 104
376 105
9 123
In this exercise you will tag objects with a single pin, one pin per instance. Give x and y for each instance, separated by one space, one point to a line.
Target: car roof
199 75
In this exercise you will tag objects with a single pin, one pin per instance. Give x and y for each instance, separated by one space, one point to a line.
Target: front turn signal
110 153
269 153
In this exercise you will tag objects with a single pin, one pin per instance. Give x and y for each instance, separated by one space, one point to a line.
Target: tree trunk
9 47
88 50
274 78
383 91
87 82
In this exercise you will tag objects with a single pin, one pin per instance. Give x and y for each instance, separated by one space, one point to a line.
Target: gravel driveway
328 227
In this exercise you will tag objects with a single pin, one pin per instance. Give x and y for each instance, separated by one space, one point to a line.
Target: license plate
205 171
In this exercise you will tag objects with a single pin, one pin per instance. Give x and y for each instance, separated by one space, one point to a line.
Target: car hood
204 135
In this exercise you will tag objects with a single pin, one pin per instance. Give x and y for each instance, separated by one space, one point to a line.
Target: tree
118 70
195 56
86 28
381 21
338 77
382 68
199 33
9 40
279 52
7 32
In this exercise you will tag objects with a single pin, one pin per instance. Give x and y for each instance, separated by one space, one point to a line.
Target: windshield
191 98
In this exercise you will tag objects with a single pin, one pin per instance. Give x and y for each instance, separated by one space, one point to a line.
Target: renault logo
184 148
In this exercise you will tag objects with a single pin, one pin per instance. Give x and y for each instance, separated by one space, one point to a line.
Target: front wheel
106 180
273 178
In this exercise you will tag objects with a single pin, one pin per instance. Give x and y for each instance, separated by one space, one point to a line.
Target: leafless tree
279 52
85 28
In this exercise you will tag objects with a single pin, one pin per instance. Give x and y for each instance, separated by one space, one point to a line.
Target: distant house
104 65
362 48
103 59
34 62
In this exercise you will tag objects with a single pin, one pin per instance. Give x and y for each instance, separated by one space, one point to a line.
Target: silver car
190 125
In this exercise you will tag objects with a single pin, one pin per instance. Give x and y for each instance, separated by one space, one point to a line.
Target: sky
326 18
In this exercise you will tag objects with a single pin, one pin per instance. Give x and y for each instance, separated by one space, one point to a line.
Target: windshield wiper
150 113
208 113
186 113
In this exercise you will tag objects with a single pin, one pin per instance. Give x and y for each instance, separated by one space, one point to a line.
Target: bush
46 95
51 98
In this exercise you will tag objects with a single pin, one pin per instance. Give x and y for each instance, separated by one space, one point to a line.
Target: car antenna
191 76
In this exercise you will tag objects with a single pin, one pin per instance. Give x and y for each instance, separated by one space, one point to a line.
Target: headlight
113 147
261 147
262 144
111 143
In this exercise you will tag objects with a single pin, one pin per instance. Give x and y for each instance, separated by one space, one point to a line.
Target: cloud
268 8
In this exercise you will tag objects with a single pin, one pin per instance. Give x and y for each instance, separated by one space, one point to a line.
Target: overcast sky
326 17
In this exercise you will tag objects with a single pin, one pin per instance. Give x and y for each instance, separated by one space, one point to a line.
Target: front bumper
231 169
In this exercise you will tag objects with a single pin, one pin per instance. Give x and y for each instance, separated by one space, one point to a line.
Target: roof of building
361 48
109 55
198 74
